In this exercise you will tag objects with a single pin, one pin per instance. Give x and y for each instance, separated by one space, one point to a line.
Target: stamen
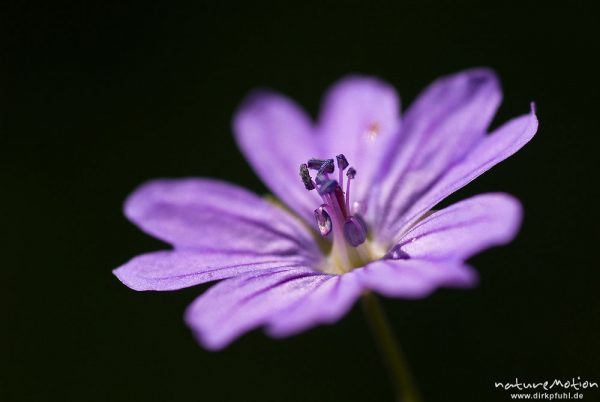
351 173
334 215
327 167
339 195
323 220
315 164
355 231
342 162
327 187
320 179
306 179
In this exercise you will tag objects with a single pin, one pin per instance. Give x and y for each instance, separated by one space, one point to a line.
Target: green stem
400 375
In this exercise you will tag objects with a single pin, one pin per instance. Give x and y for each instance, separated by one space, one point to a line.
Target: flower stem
391 352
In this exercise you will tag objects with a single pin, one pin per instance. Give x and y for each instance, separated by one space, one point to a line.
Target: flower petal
237 305
211 215
463 229
490 151
170 270
326 304
439 128
276 136
360 118
413 278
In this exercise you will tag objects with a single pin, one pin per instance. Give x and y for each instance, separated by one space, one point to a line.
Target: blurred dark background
97 97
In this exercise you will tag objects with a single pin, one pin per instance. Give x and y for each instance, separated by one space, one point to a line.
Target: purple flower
362 207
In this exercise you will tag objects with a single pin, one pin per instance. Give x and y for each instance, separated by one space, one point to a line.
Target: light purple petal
237 305
439 128
490 151
170 270
326 304
276 136
204 214
463 229
291 300
413 278
360 118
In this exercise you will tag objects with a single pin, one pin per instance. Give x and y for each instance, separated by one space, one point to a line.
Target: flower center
335 219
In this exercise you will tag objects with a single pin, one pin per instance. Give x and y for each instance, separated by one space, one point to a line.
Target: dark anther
351 173
328 186
315 164
327 166
305 175
323 220
355 231
342 162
